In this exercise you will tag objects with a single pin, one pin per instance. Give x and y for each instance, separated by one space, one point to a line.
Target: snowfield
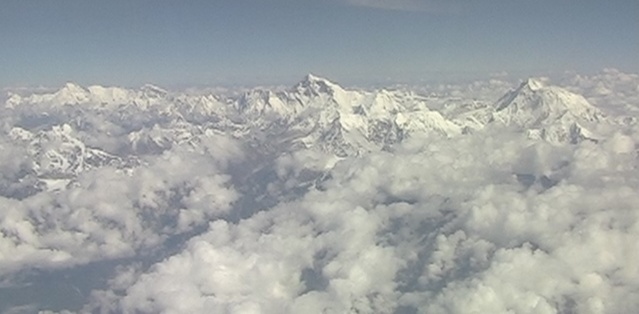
487 197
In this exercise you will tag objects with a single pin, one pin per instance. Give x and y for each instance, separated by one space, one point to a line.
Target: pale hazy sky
127 42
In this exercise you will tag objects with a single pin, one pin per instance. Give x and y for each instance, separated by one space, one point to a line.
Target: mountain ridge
549 112
315 106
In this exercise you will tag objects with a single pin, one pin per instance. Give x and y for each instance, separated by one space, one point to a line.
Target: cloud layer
481 223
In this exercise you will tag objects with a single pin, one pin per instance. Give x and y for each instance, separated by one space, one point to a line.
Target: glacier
492 196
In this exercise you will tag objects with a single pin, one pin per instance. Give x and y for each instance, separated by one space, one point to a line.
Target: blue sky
179 43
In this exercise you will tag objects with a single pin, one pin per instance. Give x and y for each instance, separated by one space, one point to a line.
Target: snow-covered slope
74 94
548 112
318 113
56 155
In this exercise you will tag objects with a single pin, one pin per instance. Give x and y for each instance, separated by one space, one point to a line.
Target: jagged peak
72 87
97 89
71 93
533 104
530 86
310 77
315 84
533 84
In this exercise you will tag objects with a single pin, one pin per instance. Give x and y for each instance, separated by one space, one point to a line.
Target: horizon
548 78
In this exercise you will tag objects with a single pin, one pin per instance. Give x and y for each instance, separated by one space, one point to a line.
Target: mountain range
66 130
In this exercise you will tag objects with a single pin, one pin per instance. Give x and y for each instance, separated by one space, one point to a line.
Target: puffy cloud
611 89
437 226
109 213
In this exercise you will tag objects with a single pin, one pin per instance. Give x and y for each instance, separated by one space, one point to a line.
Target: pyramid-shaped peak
534 104
317 85
311 79
314 78
71 93
73 87
533 84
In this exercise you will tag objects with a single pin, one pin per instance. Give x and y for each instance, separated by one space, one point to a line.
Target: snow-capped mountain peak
314 78
72 87
71 93
555 113
533 98
533 84
313 85
109 95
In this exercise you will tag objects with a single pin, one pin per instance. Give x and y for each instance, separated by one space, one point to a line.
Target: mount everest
75 128
314 113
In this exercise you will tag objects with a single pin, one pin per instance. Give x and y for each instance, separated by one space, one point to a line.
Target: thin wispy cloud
432 6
